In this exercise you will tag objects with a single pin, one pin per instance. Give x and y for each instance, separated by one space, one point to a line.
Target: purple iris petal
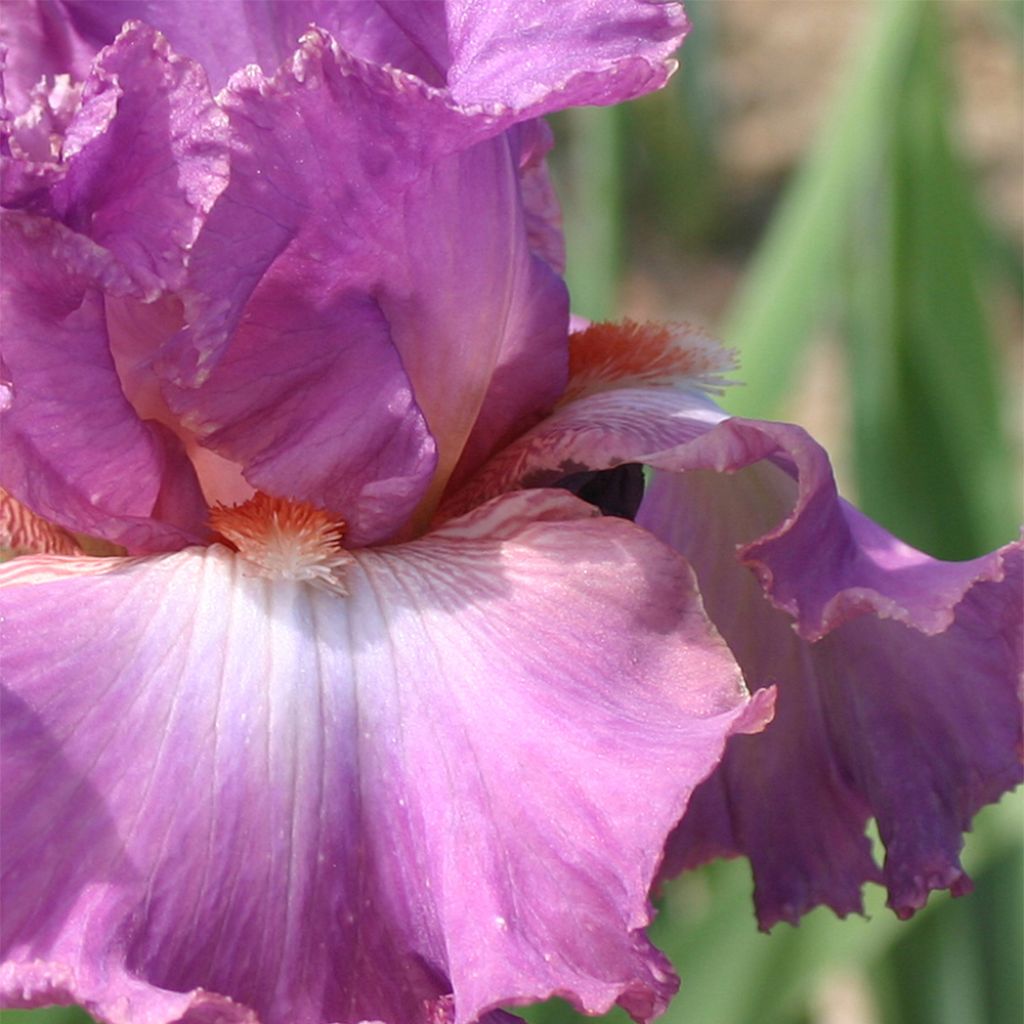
895 656
890 715
519 56
449 788
226 35
41 42
326 208
142 158
365 206
533 140
74 450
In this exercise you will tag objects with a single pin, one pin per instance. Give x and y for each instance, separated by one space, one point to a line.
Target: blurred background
835 188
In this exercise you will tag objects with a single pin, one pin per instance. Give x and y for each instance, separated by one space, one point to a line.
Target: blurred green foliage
879 233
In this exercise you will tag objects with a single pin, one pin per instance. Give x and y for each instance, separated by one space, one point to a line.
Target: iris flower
326 696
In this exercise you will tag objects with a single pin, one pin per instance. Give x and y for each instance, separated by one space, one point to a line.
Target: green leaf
49 1015
794 277
588 175
927 406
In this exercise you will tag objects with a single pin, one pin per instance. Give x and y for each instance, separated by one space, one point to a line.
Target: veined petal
39 41
445 792
466 294
140 160
754 501
428 236
22 532
143 187
528 57
523 62
32 143
226 35
75 451
886 716
540 203
641 394
634 393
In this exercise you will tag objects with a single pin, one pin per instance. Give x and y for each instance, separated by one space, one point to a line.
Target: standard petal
445 792
524 60
481 322
141 160
530 58
889 715
75 451
533 140
32 144
143 187
431 235
226 35
40 41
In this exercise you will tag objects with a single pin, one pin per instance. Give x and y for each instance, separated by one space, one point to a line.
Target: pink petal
226 35
75 451
415 231
540 203
141 160
528 58
904 661
40 42
634 393
881 717
445 792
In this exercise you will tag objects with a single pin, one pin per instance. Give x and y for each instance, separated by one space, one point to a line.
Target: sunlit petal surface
449 788
899 675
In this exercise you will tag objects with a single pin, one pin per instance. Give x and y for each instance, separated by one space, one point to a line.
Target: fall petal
456 780
640 394
885 716
887 641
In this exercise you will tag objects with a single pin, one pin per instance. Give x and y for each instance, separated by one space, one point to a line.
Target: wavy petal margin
918 729
882 656
444 793
422 222
141 156
526 59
